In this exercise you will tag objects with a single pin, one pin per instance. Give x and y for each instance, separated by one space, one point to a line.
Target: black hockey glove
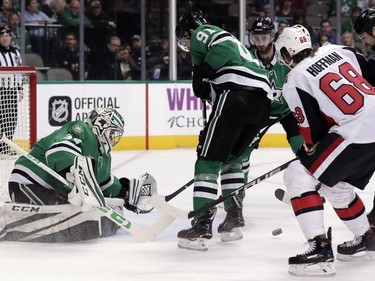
124 194
201 75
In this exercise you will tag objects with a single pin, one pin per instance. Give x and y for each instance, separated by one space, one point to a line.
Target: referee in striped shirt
9 56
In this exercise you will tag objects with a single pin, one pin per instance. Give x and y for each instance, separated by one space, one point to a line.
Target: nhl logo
59 110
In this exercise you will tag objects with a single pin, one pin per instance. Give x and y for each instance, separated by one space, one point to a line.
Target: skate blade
322 269
199 244
361 256
234 235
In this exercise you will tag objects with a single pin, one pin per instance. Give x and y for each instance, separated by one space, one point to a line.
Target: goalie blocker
65 222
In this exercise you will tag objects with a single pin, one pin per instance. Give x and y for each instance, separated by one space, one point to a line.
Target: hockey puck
277 231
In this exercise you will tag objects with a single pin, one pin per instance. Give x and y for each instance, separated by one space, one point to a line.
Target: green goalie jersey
276 72
235 66
58 151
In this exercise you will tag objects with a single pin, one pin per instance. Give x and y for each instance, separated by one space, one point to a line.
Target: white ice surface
259 256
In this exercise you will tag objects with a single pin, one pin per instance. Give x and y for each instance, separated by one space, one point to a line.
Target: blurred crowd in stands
112 50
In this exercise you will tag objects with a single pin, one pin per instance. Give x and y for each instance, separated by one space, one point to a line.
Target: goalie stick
158 201
143 234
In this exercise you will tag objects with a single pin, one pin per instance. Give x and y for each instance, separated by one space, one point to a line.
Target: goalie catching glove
138 191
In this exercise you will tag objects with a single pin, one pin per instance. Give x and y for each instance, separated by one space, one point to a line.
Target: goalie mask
107 124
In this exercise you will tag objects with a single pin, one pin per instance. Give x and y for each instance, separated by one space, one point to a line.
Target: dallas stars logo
276 93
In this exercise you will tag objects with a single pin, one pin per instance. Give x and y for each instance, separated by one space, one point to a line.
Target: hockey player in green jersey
93 138
228 76
261 37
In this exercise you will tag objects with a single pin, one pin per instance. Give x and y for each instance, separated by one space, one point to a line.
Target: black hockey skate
360 248
315 261
371 219
195 238
230 227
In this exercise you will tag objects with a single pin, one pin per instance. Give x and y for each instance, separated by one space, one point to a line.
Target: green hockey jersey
276 72
236 67
58 151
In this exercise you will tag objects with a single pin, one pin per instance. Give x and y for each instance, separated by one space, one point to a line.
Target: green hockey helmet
107 124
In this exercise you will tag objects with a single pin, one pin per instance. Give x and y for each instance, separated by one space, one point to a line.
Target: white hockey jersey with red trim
327 93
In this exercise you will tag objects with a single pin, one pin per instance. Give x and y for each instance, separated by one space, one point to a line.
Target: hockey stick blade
159 203
281 195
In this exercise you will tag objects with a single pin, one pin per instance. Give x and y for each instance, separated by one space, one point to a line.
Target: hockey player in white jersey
335 108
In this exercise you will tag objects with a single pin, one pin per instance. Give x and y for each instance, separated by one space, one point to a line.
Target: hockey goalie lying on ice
54 188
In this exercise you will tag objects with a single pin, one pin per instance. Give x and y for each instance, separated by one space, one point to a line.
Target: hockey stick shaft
273 122
222 198
159 203
178 191
113 215
258 138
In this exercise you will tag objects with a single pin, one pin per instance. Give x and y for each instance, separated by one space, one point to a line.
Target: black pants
236 118
354 164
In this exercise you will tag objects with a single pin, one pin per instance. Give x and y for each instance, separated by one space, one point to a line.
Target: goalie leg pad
55 223
61 223
86 191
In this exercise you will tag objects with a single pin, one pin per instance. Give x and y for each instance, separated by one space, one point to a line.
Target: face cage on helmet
112 136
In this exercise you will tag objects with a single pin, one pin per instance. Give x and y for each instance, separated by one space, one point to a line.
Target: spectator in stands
38 20
135 59
14 26
158 62
280 27
69 55
323 40
9 97
257 8
5 9
286 12
103 64
102 26
70 17
184 65
347 25
123 71
346 7
326 29
99 18
347 40
300 6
